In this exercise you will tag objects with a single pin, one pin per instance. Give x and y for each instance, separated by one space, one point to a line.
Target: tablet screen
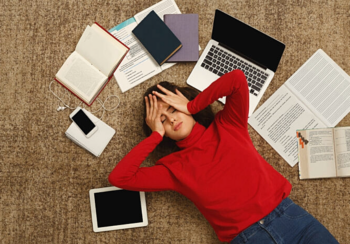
118 207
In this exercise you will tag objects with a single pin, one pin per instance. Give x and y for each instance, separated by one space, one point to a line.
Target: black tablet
113 208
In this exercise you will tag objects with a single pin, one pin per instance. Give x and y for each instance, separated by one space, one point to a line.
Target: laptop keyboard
220 62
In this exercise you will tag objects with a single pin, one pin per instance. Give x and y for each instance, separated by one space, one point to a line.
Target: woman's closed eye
163 118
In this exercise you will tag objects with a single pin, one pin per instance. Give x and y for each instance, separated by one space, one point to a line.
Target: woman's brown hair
204 117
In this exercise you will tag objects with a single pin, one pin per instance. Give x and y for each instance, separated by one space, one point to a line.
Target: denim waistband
251 230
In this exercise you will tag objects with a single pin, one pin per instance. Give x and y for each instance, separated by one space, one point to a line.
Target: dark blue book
157 38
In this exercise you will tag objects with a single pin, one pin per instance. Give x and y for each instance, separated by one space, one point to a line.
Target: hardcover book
89 68
185 27
324 153
157 38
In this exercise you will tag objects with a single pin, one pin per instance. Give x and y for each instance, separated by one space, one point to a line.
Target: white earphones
61 108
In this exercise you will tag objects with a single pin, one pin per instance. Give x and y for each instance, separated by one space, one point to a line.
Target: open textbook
317 95
89 68
324 153
138 64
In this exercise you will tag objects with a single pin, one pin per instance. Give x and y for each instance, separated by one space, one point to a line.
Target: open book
324 153
317 95
138 64
89 68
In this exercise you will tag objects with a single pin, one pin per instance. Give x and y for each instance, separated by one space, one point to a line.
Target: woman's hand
153 113
177 101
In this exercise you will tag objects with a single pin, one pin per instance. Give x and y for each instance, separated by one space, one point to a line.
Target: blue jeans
286 224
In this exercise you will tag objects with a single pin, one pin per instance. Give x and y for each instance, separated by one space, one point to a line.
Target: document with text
317 95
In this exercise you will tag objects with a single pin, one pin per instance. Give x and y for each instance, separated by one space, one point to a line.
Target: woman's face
177 125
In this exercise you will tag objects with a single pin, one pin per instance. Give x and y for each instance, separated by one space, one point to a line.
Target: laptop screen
247 41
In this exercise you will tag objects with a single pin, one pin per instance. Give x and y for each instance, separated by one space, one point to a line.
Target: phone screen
83 121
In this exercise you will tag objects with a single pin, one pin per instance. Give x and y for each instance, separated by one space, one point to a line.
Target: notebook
185 27
98 141
157 38
236 45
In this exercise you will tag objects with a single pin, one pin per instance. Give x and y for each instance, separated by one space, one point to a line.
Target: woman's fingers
159 112
166 91
151 105
152 108
153 114
179 93
160 95
155 107
147 106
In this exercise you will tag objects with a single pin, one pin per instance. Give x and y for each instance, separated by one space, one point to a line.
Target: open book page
324 87
342 150
101 51
137 66
161 8
81 77
316 153
278 119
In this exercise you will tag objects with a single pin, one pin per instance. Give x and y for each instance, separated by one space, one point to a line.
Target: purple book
185 28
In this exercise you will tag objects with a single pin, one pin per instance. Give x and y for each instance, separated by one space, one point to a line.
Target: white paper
342 149
324 87
100 51
81 77
161 8
321 88
137 65
278 119
320 149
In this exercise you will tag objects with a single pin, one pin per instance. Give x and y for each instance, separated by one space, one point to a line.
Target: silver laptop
236 45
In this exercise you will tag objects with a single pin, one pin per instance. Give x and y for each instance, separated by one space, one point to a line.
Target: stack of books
174 40
151 39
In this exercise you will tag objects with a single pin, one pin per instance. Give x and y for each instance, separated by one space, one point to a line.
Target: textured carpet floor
45 178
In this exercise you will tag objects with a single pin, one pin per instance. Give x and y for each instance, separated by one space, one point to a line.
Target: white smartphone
83 121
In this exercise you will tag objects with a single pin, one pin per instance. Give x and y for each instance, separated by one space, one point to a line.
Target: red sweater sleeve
234 86
128 175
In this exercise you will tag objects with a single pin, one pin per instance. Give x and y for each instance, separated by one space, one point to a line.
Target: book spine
171 54
109 78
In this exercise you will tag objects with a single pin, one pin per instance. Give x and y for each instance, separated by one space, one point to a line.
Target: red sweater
217 168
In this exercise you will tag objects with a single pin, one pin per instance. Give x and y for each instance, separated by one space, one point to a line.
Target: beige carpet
45 178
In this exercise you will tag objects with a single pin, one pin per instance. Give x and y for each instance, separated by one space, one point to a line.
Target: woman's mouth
178 126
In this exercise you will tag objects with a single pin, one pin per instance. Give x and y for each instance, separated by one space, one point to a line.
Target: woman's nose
172 118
